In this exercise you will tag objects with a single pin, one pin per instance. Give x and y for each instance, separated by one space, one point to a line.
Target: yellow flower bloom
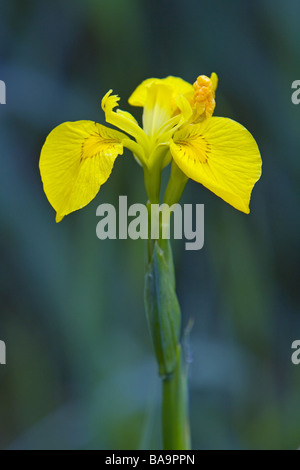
78 157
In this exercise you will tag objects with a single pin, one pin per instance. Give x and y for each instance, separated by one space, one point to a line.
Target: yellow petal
139 96
178 86
222 155
76 159
122 119
214 79
163 100
158 108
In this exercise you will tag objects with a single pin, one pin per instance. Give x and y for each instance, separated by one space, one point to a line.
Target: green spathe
162 307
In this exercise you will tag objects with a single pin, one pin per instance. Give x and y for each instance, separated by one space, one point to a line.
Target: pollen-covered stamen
203 102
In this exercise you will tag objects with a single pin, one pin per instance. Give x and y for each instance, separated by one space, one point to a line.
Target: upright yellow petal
222 155
76 159
178 86
158 108
139 96
166 103
214 79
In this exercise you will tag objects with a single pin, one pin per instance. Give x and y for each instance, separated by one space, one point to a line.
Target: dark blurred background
80 371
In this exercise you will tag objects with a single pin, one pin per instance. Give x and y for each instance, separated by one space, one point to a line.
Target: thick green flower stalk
164 318
178 129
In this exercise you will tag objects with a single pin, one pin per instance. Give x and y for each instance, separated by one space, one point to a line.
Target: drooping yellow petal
222 155
76 159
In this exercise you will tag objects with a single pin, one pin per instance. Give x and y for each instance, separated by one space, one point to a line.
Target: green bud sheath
162 307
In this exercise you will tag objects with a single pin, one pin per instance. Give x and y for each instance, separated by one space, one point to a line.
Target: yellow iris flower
78 157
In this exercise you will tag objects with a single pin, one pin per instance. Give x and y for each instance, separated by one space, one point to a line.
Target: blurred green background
80 371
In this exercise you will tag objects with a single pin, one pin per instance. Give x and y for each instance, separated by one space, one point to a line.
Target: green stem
152 180
175 419
164 318
175 186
